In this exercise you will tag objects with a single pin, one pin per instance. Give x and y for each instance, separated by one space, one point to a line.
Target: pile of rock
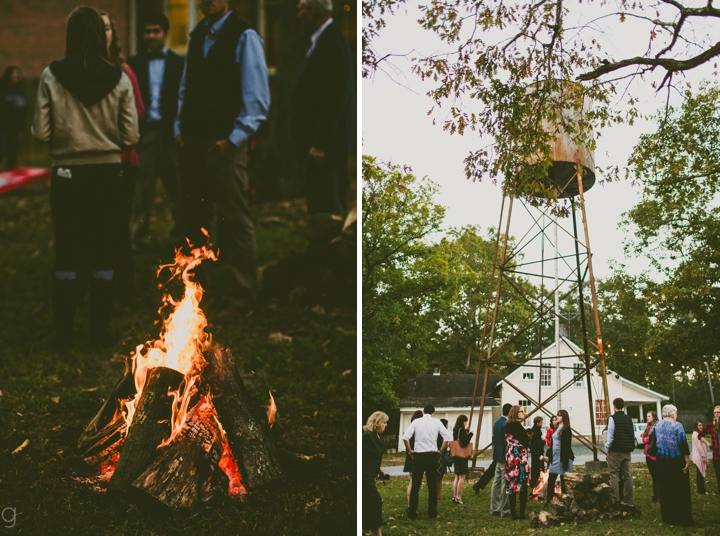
587 497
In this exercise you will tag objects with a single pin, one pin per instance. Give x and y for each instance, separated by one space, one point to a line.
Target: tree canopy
512 71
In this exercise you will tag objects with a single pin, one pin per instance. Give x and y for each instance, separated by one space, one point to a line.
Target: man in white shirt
426 431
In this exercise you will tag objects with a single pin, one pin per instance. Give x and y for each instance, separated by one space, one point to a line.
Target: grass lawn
47 399
474 516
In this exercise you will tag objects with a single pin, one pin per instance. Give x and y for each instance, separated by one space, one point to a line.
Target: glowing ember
272 410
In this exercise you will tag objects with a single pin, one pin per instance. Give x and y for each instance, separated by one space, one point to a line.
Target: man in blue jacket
499 503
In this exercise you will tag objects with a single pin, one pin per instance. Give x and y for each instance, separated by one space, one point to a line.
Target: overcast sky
396 127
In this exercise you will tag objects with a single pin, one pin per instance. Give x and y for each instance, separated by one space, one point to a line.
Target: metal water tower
571 174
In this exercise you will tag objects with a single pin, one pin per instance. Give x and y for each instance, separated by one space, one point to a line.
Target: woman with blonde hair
372 453
712 429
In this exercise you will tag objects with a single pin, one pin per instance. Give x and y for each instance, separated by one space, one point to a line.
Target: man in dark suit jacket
158 72
322 111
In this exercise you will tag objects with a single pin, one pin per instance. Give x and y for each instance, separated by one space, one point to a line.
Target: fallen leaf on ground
55 399
91 389
277 338
318 310
348 371
314 505
24 444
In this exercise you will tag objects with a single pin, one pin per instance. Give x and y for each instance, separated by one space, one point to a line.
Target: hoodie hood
87 84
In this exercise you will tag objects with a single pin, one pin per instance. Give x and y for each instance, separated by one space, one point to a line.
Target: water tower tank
566 154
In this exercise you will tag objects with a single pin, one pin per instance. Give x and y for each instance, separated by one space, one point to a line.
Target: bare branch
669 64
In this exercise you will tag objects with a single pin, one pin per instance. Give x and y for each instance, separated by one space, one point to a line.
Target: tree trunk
150 426
243 420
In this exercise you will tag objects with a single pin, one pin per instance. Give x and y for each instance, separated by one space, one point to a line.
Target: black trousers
87 213
424 463
535 468
327 183
716 466
487 476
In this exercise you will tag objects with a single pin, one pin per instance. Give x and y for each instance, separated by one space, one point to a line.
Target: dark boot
101 301
64 302
552 478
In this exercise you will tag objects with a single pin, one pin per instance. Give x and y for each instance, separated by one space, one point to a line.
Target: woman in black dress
463 436
372 453
407 468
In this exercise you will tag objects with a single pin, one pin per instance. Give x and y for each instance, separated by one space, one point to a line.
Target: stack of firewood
587 497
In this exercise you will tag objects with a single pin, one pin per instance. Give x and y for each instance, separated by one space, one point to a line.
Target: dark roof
447 391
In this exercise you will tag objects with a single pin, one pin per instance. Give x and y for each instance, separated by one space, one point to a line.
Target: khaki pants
619 466
499 502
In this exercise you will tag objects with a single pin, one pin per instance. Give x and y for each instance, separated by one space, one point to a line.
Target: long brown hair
115 52
86 36
563 414
460 423
418 413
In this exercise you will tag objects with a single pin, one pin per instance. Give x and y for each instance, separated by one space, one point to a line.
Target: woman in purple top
673 463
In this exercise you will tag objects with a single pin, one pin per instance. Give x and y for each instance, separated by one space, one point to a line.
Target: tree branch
669 64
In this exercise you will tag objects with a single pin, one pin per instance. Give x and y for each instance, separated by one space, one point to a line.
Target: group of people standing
426 440
114 126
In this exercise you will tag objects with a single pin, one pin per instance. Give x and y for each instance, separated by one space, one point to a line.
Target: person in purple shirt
223 99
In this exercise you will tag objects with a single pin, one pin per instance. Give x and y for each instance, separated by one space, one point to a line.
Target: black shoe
411 517
476 488
495 514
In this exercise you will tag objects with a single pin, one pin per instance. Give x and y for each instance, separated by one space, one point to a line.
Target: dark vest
213 89
624 436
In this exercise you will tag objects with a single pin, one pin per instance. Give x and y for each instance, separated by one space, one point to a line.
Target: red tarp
22 176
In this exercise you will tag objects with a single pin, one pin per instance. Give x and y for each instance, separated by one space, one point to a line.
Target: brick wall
32 32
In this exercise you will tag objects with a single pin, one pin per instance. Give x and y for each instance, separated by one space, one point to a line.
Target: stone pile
587 497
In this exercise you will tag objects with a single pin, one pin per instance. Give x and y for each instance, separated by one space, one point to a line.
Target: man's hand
316 155
225 147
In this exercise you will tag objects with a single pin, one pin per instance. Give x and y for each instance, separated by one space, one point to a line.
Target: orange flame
271 411
542 484
182 340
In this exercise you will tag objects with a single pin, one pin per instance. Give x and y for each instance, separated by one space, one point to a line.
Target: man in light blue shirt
223 99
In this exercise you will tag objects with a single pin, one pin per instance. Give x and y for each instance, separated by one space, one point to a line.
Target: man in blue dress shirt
223 99
158 71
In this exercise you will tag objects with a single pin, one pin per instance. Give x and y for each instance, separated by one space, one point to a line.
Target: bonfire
180 425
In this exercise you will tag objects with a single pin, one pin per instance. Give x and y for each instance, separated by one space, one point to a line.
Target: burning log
588 498
243 420
95 431
177 476
106 443
150 426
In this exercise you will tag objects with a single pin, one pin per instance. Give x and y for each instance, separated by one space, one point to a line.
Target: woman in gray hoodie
86 111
